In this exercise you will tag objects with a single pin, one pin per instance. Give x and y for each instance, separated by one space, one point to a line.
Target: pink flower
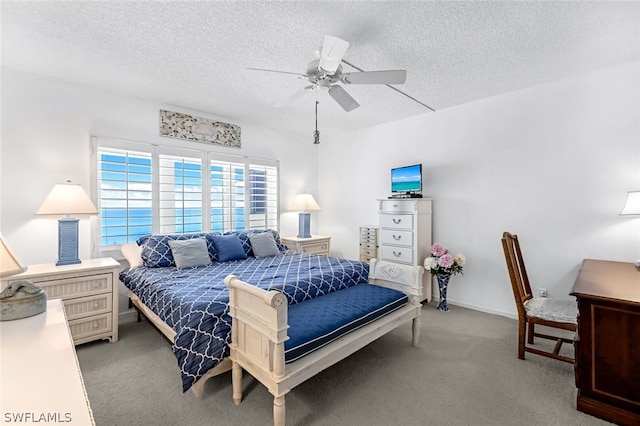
437 250
446 261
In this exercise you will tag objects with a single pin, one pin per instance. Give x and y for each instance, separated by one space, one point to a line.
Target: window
143 188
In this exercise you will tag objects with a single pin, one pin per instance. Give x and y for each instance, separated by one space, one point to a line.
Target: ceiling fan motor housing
318 76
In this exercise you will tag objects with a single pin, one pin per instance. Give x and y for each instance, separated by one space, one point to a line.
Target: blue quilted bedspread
194 301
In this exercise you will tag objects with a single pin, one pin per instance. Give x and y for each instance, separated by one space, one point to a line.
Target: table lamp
20 299
632 208
67 199
304 203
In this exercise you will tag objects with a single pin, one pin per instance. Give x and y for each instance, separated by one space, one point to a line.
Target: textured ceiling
194 54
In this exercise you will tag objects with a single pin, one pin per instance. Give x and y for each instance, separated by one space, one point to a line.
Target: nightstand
89 291
316 244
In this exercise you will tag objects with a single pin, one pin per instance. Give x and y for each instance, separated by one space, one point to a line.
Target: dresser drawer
69 288
368 246
368 232
398 206
87 327
87 306
396 237
368 253
397 254
397 221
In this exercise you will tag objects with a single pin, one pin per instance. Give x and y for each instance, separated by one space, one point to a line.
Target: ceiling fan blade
333 49
294 97
343 98
281 72
375 77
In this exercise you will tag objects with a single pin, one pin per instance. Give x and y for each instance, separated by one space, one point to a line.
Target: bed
283 345
189 304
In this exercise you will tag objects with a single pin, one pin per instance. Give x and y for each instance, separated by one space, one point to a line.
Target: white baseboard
481 308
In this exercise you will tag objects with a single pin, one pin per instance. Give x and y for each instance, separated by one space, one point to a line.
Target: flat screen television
407 179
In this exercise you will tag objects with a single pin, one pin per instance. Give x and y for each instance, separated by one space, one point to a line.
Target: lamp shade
9 263
304 202
67 199
632 206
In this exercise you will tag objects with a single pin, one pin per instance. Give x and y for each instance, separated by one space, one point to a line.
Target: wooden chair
561 314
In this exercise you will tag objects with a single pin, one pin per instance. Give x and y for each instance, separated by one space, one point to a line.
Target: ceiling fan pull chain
316 133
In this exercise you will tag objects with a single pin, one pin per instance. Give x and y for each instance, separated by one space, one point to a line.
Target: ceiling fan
327 73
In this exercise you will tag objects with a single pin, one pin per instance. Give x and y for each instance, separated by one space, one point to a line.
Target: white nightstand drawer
396 237
86 306
88 327
397 254
315 248
77 286
397 221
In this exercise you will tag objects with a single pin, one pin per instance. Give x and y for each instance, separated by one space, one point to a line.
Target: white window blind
227 196
143 188
180 194
124 195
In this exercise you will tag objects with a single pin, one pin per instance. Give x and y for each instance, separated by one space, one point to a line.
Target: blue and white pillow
246 243
156 252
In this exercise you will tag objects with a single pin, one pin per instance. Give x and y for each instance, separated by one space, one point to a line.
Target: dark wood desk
607 346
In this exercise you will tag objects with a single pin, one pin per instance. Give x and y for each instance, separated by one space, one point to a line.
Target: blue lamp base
304 225
67 241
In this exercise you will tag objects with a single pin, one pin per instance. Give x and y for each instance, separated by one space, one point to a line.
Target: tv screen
407 179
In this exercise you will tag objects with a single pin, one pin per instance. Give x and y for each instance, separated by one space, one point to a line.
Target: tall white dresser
405 233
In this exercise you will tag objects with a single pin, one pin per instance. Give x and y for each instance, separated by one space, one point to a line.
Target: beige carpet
465 372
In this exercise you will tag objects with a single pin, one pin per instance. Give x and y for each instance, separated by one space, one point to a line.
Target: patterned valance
183 126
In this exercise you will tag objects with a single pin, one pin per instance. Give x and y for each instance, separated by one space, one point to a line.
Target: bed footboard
259 330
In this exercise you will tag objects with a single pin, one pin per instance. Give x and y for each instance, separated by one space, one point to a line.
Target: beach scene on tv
406 179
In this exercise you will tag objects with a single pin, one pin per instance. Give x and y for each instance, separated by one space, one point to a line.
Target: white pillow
133 253
191 252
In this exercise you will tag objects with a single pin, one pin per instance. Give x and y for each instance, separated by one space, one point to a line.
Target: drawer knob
397 254
96 305
396 221
397 237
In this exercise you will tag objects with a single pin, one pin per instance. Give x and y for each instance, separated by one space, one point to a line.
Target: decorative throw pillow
189 253
156 252
132 252
229 247
264 245
246 244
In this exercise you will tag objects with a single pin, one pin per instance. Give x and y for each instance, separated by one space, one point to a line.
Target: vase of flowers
442 264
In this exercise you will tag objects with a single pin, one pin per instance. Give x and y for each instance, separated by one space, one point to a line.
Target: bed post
278 411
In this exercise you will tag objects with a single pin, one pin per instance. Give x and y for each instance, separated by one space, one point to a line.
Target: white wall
551 163
46 128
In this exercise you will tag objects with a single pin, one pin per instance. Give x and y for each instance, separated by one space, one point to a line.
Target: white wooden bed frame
259 330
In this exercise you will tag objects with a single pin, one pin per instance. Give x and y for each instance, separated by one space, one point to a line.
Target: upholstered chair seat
552 309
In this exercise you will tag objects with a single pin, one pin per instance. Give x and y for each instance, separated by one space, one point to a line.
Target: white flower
460 259
430 263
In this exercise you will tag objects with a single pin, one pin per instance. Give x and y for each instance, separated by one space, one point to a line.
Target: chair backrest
517 270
